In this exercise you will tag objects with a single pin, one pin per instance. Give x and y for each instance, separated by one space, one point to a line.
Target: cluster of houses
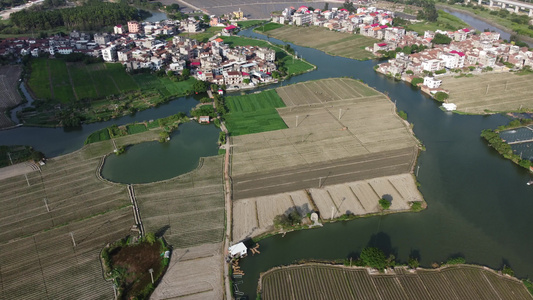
368 21
467 51
137 46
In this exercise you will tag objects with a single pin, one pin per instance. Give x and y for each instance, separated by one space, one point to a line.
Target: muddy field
254 216
368 140
9 94
193 273
189 209
490 93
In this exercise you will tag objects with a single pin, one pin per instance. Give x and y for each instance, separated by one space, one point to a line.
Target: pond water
155 161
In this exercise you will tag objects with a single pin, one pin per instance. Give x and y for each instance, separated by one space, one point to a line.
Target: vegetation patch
17 154
69 93
132 265
268 27
254 113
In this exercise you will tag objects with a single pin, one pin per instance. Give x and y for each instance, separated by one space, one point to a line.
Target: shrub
402 114
441 96
507 270
456 261
413 263
416 206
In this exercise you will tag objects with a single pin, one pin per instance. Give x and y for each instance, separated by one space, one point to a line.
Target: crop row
333 282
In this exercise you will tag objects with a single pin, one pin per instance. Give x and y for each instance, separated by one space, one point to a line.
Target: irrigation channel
479 204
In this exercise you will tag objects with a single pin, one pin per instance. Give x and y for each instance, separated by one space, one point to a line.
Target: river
479 204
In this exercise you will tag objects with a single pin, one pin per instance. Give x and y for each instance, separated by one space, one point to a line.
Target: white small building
431 82
238 250
449 106
109 53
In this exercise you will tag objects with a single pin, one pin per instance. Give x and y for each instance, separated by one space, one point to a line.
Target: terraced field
368 140
494 93
332 42
188 209
314 281
54 225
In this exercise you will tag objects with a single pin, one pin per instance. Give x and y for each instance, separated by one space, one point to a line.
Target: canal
479 204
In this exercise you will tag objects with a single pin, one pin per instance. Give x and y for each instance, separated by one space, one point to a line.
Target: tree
374 258
246 81
441 39
384 203
205 18
185 74
407 50
199 86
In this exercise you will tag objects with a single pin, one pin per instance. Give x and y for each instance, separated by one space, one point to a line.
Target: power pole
487 91
297 121
9 154
72 236
46 204
340 113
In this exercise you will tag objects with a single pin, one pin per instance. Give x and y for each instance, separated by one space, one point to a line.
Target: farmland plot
332 42
9 95
193 273
314 281
188 209
495 93
340 130
254 216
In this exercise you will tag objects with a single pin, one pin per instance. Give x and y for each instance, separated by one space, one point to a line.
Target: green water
155 161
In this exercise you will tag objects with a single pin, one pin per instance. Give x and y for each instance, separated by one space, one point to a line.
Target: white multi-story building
431 82
453 60
109 53
432 65
302 19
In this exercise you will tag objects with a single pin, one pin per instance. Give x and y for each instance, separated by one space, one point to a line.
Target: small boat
530 182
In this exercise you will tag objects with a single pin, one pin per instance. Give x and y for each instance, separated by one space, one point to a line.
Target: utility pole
151 274
9 154
340 113
417 169
297 121
72 236
319 182
487 91
332 211
46 204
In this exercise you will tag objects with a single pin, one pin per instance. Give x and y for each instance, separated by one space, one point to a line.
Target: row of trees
94 14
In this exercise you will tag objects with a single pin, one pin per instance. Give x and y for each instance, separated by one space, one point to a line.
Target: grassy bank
166 125
496 142
445 21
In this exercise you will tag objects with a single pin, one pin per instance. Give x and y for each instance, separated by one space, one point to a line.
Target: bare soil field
193 273
489 93
335 43
18 169
254 216
188 209
315 281
9 95
368 140
258 9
